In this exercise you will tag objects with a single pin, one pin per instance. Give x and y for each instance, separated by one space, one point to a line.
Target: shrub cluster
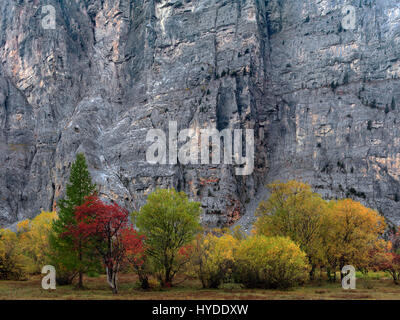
256 261
331 233
213 259
270 262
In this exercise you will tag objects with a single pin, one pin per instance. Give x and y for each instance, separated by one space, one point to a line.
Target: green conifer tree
72 256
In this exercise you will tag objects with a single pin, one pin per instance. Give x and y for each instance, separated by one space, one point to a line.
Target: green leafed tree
68 258
169 221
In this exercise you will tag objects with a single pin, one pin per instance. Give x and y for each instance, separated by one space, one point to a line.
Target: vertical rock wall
323 101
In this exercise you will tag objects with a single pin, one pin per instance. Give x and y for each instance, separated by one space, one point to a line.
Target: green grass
372 275
377 286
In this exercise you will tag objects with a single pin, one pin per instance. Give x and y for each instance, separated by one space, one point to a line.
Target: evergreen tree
71 259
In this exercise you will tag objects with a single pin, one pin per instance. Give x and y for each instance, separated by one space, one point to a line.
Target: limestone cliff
323 101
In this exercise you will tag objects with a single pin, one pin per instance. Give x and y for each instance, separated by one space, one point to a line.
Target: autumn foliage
12 260
297 237
33 240
331 233
270 262
212 258
294 211
353 232
386 256
107 228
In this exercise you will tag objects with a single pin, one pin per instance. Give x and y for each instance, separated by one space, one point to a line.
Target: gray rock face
323 101
334 122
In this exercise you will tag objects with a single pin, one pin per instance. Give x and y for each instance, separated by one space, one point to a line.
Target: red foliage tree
386 257
389 262
393 266
108 228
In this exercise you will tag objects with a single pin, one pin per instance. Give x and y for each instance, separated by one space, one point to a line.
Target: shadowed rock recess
323 101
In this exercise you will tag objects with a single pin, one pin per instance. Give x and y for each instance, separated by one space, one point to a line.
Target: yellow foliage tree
354 231
213 258
294 211
12 261
34 240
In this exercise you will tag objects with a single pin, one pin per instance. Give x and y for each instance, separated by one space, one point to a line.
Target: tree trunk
143 277
112 279
80 281
167 276
329 275
395 278
144 282
341 266
341 274
312 272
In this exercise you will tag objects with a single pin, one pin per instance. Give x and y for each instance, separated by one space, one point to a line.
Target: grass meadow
376 286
